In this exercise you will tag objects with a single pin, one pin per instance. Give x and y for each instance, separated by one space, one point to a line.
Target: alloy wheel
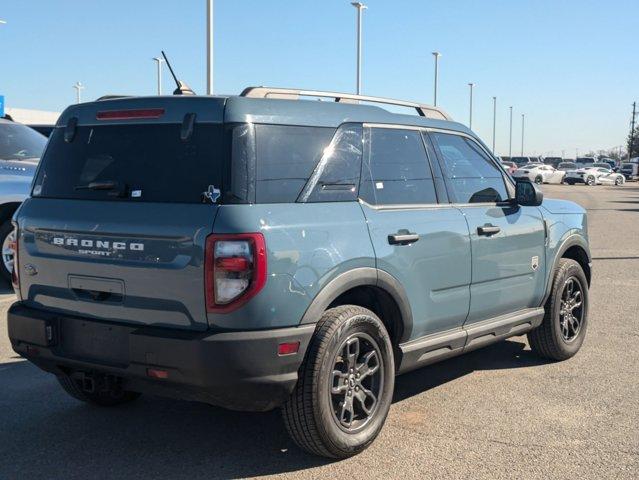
571 312
357 381
8 253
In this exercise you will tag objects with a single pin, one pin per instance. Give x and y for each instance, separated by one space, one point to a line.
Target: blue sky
570 66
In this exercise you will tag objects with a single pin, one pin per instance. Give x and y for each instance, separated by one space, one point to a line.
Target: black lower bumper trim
236 370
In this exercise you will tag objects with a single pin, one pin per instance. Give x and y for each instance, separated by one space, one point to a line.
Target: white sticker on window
379 185
136 193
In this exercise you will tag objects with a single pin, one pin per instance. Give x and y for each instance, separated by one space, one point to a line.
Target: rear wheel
563 329
345 385
619 181
590 181
539 180
101 391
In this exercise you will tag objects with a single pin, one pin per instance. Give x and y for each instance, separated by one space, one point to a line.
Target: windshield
18 142
627 166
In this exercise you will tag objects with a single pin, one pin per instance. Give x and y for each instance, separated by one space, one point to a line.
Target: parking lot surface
500 412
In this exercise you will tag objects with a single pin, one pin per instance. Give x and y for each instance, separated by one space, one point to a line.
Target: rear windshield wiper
115 188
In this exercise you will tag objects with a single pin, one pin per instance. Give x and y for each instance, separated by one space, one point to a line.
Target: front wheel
563 328
345 385
590 181
7 237
619 181
539 180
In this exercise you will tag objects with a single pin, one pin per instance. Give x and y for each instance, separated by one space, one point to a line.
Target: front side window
470 172
396 170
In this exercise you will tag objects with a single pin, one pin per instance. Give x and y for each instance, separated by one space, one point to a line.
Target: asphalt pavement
500 412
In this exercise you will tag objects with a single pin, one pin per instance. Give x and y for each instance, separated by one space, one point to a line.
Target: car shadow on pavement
45 433
502 355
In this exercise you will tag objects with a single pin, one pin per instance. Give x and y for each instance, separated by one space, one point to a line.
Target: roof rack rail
294 94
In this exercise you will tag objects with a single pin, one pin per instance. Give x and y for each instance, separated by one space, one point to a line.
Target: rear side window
144 163
286 157
471 174
396 170
336 176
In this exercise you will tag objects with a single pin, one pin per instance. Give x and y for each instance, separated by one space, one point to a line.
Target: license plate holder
95 341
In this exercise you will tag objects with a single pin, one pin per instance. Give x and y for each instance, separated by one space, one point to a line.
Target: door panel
508 266
435 270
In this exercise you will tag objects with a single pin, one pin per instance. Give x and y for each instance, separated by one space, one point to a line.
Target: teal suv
265 251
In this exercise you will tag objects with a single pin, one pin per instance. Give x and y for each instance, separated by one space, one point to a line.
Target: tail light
235 270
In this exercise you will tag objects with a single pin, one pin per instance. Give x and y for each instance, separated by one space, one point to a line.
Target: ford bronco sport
261 251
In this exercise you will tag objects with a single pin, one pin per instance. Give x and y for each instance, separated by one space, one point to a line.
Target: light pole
510 134
523 121
494 121
360 9
209 47
78 87
436 55
470 115
159 61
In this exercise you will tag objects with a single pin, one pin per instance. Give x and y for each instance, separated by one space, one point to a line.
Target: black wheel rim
357 381
571 312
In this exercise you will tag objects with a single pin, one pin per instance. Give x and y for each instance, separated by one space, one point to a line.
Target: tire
6 234
619 181
569 182
539 180
103 395
311 413
590 181
549 339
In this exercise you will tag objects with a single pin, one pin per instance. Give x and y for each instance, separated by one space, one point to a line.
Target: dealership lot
500 412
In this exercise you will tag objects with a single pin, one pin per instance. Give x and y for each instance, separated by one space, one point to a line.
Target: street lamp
78 87
159 61
470 115
436 55
360 8
209 47
494 121
523 119
510 134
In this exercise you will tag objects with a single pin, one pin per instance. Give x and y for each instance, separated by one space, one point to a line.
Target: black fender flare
574 240
358 277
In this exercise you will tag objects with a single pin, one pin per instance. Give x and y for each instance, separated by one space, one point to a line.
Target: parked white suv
20 151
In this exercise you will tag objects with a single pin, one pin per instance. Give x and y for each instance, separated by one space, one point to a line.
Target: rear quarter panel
308 245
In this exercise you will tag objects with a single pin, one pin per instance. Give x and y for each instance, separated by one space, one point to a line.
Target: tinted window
396 169
336 176
142 162
286 157
473 176
18 142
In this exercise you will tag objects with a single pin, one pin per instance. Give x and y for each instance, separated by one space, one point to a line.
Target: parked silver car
20 151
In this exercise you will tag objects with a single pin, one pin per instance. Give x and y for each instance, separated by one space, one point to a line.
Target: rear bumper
235 370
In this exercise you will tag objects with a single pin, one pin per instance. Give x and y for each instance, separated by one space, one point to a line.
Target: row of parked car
586 170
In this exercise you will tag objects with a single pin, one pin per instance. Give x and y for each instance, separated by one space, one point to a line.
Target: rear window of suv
145 162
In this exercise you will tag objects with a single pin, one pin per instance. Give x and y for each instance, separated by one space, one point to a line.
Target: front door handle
488 230
403 237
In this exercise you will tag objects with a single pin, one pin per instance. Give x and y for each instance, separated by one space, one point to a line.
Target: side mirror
527 194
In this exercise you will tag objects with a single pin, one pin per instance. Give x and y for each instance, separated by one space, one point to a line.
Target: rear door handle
403 238
488 230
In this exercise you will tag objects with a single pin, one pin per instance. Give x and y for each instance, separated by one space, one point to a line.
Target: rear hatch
116 227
